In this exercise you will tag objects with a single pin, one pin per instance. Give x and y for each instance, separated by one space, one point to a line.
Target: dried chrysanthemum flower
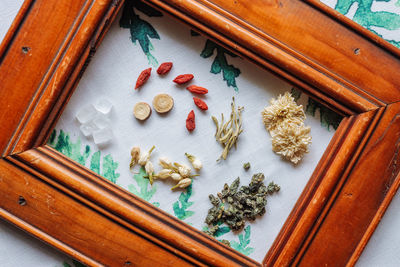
281 109
291 140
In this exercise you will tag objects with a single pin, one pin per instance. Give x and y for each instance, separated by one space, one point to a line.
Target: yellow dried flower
281 109
291 140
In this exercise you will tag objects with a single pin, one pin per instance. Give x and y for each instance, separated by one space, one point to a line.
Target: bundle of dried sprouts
228 133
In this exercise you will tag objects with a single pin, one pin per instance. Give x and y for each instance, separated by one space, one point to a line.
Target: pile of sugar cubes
95 121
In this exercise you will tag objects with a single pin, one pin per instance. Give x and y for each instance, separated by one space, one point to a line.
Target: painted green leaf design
222 230
244 241
109 167
368 18
328 117
143 189
140 30
70 149
95 162
180 207
73 150
229 72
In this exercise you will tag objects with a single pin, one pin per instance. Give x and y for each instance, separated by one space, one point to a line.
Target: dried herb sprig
179 173
233 205
228 133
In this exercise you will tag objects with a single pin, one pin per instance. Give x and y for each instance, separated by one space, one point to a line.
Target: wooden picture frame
331 58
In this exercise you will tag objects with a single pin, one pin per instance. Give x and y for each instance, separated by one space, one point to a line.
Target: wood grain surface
343 66
128 210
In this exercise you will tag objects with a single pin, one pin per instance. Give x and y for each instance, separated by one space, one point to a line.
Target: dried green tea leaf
234 206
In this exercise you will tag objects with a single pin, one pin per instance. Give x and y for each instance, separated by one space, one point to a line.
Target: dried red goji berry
143 77
184 78
200 103
190 122
197 89
164 68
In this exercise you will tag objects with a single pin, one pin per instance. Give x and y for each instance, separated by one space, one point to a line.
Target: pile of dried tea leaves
233 205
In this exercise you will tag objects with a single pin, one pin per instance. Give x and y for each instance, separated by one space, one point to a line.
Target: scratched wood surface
331 222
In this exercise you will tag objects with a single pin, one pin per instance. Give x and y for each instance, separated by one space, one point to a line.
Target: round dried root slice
142 111
163 103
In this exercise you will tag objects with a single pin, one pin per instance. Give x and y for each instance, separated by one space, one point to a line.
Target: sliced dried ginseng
142 111
163 103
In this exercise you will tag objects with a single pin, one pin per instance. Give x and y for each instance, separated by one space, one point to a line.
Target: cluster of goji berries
163 69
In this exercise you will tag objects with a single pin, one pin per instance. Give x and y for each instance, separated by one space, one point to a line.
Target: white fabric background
113 71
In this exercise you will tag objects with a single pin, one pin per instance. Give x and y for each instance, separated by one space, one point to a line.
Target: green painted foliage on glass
143 189
244 241
181 206
81 153
229 72
368 18
140 30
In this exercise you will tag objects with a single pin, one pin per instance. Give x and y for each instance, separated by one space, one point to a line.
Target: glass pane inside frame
142 38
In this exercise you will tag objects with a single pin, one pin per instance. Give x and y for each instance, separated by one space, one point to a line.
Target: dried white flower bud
149 168
291 140
135 153
283 108
165 162
196 163
183 183
184 171
144 157
164 174
176 177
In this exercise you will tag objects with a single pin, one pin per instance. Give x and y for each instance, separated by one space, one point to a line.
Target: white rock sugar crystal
101 122
86 114
88 128
102 136
104 106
